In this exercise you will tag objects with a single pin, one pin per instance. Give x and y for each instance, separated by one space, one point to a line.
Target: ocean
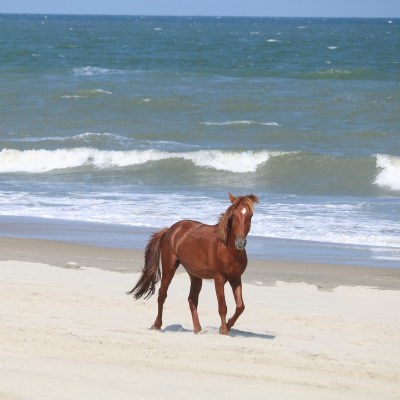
142 121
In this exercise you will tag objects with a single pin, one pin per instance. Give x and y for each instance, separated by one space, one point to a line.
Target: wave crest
84 94
41 161
241 162
389 175
92 71
241 122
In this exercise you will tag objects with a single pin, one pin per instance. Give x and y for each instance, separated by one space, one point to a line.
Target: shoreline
261 272
129 237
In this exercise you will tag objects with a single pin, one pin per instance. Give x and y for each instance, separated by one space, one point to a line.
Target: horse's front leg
222 309
237 294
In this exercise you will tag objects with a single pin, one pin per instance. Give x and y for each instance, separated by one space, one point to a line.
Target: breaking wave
40 161
84 94
290 172
242 122
389 175
93 71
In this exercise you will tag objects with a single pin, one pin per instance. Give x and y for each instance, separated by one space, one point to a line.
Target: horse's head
237 219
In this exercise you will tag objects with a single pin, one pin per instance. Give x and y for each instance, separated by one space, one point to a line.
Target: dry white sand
74 334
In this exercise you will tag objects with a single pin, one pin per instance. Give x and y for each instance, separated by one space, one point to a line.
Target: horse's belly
197 262
197 265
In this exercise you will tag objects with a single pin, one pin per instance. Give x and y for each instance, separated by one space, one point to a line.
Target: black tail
151 272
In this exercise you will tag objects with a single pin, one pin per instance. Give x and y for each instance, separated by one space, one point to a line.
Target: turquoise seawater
146 120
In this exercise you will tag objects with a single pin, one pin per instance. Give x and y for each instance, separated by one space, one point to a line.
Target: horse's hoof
223 332
156 328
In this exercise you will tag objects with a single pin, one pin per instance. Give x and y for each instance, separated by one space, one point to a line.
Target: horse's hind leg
195 287
169 266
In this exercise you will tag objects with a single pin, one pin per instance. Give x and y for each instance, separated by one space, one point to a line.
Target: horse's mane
225 219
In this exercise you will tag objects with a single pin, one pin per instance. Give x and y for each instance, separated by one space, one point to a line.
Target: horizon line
188 15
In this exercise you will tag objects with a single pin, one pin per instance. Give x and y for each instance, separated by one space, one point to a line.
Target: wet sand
259 271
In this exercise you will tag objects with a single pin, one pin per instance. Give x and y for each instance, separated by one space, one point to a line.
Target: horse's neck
230 238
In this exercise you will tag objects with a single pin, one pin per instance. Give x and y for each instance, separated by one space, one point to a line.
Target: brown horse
206 252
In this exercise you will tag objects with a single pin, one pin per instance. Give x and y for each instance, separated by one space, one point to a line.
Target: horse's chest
234 268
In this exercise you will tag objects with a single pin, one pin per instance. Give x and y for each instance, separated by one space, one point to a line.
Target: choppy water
143 121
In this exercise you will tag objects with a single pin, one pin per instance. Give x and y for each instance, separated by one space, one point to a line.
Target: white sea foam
331 222
97 91
333 72
91 71
84 94
247 161
85 137
241 122
72 96
40 161
389 175
90 136
244 122
270 124
293 219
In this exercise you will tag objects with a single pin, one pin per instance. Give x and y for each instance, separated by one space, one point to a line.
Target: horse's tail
151 272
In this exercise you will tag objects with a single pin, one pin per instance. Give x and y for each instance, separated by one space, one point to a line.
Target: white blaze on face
244 211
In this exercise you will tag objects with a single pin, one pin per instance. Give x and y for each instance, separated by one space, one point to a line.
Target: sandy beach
72 333
114 127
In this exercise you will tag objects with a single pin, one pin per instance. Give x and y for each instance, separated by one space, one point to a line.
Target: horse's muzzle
240 243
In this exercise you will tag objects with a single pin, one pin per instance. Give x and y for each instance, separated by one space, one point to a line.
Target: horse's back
185 224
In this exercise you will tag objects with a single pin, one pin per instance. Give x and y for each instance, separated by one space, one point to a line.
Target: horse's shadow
247 334
212 330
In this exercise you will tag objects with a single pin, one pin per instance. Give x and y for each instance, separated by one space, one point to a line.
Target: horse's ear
232 198
253 198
